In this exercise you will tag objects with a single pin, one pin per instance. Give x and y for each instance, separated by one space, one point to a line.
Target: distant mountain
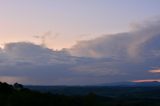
139 84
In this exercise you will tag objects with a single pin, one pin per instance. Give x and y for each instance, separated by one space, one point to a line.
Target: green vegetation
17 95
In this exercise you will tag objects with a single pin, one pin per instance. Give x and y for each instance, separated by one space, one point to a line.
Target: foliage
17 95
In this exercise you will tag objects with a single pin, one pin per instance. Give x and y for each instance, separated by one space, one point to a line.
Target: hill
18 95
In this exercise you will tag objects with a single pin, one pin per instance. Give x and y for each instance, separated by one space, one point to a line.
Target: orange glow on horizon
155 71
147 80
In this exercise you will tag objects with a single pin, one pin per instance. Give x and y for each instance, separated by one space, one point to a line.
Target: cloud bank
133 53
142 40
120 57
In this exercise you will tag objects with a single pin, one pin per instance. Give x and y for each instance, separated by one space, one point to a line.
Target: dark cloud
30 61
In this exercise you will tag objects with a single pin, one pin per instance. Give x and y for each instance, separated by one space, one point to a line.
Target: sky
79 42
70 21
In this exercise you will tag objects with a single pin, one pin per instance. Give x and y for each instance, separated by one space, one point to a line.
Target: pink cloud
147 80
155 71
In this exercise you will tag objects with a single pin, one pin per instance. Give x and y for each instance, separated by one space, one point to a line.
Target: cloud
128 56
105 46
31 53
142 40
133 53
148 80
35 63
28 63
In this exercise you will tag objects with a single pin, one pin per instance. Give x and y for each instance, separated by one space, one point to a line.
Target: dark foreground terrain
17 95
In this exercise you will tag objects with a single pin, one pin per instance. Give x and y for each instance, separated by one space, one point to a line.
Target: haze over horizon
82 42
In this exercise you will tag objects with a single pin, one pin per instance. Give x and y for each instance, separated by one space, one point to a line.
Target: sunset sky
70 20
79 42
